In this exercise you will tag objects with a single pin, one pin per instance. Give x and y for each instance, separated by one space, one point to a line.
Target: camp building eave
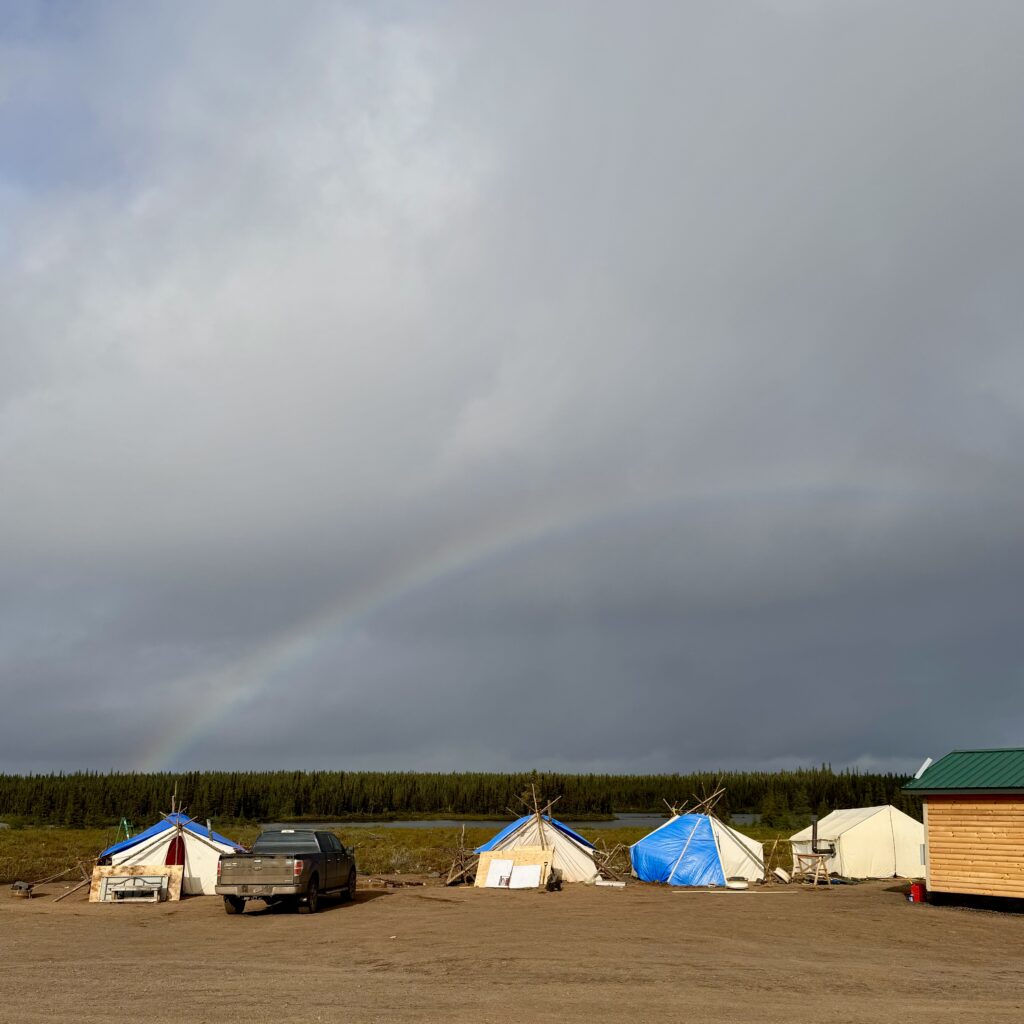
973 773
1018 791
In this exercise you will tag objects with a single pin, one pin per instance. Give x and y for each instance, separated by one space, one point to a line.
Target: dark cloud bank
527 387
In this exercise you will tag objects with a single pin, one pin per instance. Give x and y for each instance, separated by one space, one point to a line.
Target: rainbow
208 698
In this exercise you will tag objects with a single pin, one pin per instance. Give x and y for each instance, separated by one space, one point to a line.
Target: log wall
975 844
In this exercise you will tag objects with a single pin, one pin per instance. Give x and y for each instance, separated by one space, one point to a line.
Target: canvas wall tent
572 855
696 849
176 840
870 842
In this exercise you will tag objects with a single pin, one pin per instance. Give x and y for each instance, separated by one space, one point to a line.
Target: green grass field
32 854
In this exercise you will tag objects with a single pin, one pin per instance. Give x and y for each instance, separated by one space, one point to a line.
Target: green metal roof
986 770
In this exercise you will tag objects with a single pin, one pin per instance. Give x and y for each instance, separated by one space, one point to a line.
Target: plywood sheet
499 870
172 872
526 876
521 856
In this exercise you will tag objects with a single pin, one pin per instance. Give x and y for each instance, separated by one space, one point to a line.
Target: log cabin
974 822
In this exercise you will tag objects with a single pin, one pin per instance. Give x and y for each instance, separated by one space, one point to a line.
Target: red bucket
917 892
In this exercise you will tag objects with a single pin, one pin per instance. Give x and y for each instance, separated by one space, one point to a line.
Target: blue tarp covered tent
696 849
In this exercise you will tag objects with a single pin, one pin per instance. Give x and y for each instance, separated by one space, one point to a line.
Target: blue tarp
682 852
162 826
507 831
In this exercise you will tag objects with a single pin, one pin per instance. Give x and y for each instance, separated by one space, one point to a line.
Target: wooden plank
943 867
980 877
994 821
978 812
974 799
976 867
974 827
988 876
966 828
976 824
1014 867
981 888
994 847
985 856
955 881
995 802
975 870
997 847
979 824
965 836
970 890
1002 848
981 841
971 871
967 831
968 871
979 809
1007 851
972 885
981 817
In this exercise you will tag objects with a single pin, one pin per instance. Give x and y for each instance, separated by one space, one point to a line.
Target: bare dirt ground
646 953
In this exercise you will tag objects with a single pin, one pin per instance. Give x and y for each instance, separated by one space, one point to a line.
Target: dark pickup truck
288 865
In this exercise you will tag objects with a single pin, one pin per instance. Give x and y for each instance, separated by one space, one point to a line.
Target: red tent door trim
176 851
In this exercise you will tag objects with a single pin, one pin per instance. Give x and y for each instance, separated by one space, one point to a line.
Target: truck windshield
286 842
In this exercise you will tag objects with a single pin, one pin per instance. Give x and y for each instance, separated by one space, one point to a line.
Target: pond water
647 821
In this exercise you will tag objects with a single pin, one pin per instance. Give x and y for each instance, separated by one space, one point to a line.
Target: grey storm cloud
572 386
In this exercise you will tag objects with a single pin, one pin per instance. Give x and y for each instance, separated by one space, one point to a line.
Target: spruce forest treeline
91 799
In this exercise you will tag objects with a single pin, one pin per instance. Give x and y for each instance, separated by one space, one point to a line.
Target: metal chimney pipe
829 847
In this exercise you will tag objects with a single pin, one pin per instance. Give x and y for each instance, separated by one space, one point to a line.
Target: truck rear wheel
233 904
312 901
349 892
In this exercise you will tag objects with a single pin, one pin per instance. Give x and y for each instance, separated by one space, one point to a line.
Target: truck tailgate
257 869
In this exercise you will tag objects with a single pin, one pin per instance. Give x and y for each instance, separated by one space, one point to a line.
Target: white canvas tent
571 854
870 842
176 840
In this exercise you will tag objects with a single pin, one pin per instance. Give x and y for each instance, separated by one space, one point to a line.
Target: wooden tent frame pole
540 820
693 832
195 835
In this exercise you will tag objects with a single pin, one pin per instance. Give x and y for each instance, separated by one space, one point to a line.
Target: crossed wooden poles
465 862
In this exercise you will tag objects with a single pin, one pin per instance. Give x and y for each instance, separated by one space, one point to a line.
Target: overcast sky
576 386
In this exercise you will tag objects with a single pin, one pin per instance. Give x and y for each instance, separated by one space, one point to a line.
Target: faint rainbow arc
224 690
